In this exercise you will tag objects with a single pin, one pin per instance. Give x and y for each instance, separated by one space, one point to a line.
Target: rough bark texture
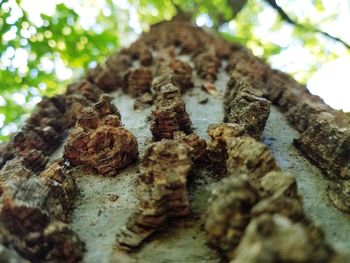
252 211
164 170
98 141
325 137
254 214
33 204
245 105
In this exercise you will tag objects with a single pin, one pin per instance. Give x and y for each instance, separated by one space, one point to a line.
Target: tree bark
159 72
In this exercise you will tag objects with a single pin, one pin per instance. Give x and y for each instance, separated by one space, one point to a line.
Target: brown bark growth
257 205
325 135
169 114
33 204
164 170
98 141
245 105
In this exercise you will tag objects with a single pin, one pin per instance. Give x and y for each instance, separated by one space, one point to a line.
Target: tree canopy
44 44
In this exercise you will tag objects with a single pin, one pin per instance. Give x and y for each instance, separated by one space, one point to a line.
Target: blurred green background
45 44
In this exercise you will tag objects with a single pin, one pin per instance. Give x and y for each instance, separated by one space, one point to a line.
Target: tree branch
236 6
291 21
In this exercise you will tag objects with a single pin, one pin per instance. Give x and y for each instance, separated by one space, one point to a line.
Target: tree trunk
192 156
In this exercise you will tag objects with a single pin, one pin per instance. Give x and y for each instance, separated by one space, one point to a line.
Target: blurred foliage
32 55
43 48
